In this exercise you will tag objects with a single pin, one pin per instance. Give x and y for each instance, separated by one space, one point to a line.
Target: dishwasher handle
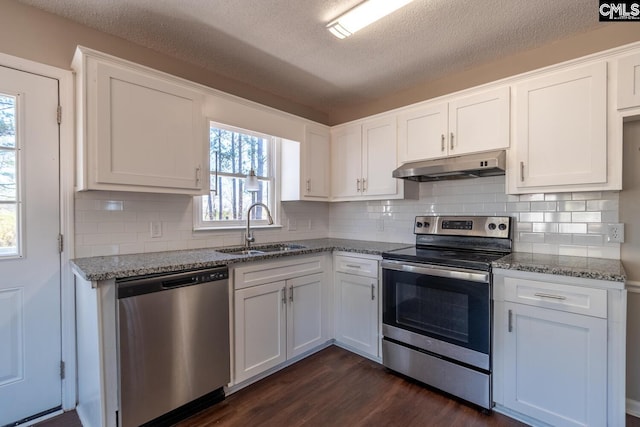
183 281
134 286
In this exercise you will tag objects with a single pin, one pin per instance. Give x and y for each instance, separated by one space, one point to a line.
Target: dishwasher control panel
130 287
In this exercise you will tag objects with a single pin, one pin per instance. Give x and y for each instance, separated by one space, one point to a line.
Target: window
9 202
233 154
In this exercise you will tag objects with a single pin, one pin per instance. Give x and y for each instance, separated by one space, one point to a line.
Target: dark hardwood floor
336 388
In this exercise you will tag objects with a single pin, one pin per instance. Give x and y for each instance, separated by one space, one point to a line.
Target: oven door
440 310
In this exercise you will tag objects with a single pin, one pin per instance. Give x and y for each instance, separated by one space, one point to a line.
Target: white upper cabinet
629 81
479 122
561 128
305 166
346 161
363 157
139 129
423 133
469 124
379 146
316 154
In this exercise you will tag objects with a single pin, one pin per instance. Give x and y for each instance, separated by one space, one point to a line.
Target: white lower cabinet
556 358
555 366
357 306
280 319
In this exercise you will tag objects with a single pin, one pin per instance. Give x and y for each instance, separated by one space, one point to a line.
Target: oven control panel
479 226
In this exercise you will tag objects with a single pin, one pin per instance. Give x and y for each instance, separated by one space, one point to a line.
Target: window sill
237 227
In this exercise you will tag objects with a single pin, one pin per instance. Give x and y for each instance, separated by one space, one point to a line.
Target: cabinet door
149 132
304 315
379 148
479 122
561 130
629 81
556 366
260 323
316 155
422 133
346 162
357 312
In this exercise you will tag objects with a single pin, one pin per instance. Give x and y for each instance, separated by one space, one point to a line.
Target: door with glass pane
30 329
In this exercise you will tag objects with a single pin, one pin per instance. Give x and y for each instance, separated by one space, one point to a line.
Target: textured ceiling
282 46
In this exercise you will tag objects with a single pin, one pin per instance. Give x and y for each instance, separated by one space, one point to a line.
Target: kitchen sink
259 250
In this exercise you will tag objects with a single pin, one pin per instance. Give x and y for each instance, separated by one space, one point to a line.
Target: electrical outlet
615 233
155 229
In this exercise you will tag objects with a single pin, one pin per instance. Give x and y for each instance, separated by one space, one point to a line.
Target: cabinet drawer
359 266
273 271
573 299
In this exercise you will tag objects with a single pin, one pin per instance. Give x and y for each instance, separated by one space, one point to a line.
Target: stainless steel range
437 313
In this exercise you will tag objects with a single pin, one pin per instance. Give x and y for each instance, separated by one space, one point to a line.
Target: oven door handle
459 274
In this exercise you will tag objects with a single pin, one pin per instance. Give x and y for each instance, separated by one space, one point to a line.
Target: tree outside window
8 177
233 154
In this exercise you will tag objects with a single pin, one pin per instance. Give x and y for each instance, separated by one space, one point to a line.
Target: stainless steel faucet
249 236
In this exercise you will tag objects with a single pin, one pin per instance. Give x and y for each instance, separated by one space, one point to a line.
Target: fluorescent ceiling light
362 15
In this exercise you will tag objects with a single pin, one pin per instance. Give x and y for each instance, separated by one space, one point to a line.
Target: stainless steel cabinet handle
521 171
284 295
291 294
198 176
364 185
353 266
452 140
442 147
510 321
558 297
373 292
308 186
358 185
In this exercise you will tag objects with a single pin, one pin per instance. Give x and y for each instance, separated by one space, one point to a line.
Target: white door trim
67 168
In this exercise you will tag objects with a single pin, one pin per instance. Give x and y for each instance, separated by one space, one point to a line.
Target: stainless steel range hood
460 167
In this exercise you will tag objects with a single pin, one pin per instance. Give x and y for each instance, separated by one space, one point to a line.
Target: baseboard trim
240 385
633 407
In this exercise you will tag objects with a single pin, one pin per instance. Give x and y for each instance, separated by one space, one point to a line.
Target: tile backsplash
111 223
115 223
552 223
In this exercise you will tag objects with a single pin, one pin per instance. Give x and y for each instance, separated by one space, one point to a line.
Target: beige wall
32 34
39 36
606 36
630 251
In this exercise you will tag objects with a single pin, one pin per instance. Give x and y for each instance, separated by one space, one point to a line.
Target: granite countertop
121 266
575 266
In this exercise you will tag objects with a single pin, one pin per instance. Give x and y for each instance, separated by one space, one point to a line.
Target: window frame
20 199
273 154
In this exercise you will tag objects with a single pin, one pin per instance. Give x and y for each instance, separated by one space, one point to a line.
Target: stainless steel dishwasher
173 335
